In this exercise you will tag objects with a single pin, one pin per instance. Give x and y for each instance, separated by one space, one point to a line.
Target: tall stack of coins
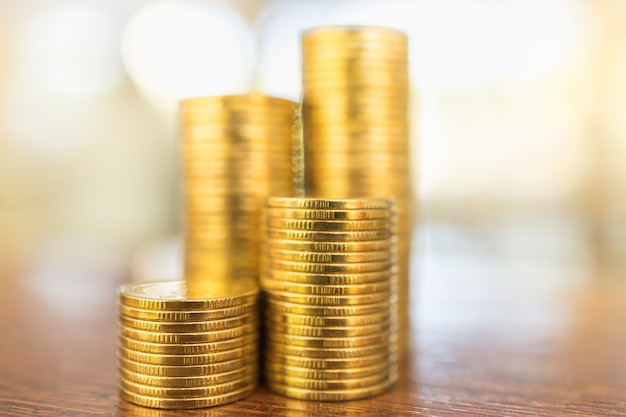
328 291
355 122
236 151
187 346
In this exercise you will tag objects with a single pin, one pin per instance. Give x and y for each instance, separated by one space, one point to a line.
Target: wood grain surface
498 330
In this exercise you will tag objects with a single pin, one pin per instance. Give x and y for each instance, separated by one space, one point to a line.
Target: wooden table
506 323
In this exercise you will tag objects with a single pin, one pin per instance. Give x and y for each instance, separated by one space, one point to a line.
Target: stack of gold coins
237 150
183 345
356 125
327 281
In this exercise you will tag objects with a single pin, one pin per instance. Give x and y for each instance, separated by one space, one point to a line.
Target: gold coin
228 261
234 113
328 225
187 316
179 295
195 327
328 214
381 87
363 142
388 101
208 391
186 371
187 403
230 115
228 131
344 65
326 290
189 348
393 143
243 101
358 87
219 205
338 384
349 176
358 71
325 374
330 247
361 36
319 50
243 114
330 395
329 332
320 300
315 102
200 273
383 82
224 257
391 130
245 148
327 268
349 170
377 84
283 349
189 382
329 236
194 338
329 204
330 363
235 220
390 146
186 360
330 343
222 133
349 167
327 322
342 311
238 238
347 118
316 52
352 42
211 160
201 254
328 257
314 47
352 181
329 279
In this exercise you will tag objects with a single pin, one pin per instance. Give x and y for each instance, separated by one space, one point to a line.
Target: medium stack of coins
355 124
237 150
187 346
327 282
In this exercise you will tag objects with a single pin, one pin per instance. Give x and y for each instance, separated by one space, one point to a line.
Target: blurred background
518 110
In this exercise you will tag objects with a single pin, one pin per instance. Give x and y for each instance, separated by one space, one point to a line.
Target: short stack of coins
328 289
356 125
236 151
188 346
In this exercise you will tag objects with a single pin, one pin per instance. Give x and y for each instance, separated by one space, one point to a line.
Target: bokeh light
176 49
279 28
69 51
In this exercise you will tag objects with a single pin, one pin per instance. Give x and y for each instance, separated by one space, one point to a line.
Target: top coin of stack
236 151
187 346
328 287
356 125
